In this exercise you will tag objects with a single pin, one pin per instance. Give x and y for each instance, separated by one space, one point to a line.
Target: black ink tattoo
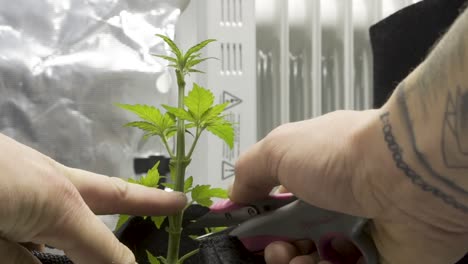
397 154
446 179
454 143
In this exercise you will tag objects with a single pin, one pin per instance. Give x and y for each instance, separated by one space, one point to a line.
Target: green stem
188 255
197 136
188 205
169 150
181 163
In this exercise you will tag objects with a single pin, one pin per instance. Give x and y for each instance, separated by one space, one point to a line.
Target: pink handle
227 205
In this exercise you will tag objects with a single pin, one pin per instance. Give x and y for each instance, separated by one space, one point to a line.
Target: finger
361 261
33 246
110 195
305 246
86 240
16 254
255 173
346 249
306 259
280 252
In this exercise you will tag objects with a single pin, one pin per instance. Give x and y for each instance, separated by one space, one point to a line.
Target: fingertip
180 199
280 252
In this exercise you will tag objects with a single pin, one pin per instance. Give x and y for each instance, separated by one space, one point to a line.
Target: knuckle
120 187
274 146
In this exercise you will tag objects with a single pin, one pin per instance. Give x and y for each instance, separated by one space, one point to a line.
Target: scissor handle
299 220
360 239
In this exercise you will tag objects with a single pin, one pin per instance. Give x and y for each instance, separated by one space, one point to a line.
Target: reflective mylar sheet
65 63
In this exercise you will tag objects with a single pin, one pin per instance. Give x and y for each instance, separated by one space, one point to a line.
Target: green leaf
130 180
188 184
170 132
199 100
197 71
214 113
152 177
158 220
197 48
168 58
203 194
172 45
152 259
168 185
121 221
179 113
223 130
145 112
145 126
192 62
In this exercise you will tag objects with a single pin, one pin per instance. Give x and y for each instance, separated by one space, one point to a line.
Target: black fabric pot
141 235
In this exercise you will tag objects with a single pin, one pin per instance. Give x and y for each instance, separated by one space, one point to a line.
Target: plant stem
169 150
197 136
188 255
175 227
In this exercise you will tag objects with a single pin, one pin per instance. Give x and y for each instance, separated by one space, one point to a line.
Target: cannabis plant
194 113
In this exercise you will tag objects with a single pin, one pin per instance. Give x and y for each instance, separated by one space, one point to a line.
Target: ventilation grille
231 58
231 13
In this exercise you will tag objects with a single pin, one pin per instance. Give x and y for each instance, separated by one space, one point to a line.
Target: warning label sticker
232 99
227 170
231 155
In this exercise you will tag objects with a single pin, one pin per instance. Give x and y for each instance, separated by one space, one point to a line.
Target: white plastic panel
280 61
329 63
272 60
232 79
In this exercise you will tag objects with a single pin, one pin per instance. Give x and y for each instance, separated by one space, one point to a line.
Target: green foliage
152 177
203 194
121 221
188 184
152 259
158 220
154 123
198 101
184 63
197 114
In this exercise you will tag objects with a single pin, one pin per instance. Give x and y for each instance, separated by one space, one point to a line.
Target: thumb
85 239
16 254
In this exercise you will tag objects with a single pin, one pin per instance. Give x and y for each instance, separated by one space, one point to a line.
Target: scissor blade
217 219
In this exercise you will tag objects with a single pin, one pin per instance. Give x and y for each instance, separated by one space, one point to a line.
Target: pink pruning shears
283 217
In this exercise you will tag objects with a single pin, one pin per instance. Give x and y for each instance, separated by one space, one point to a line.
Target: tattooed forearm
449 178
416 178
454 143
431 106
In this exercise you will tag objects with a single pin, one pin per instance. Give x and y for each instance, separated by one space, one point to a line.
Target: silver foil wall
65 63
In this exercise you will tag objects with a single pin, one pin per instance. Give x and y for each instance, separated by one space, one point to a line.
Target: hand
341 162
45 202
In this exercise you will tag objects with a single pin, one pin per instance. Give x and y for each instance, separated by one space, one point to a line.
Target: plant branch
192 148
188 255
189 204
169 150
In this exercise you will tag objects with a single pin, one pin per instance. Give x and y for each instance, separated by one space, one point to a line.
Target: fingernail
180 196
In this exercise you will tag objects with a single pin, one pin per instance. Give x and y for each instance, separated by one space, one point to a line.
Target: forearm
428 117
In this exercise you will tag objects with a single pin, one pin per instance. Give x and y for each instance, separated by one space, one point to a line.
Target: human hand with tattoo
405 165
44 202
